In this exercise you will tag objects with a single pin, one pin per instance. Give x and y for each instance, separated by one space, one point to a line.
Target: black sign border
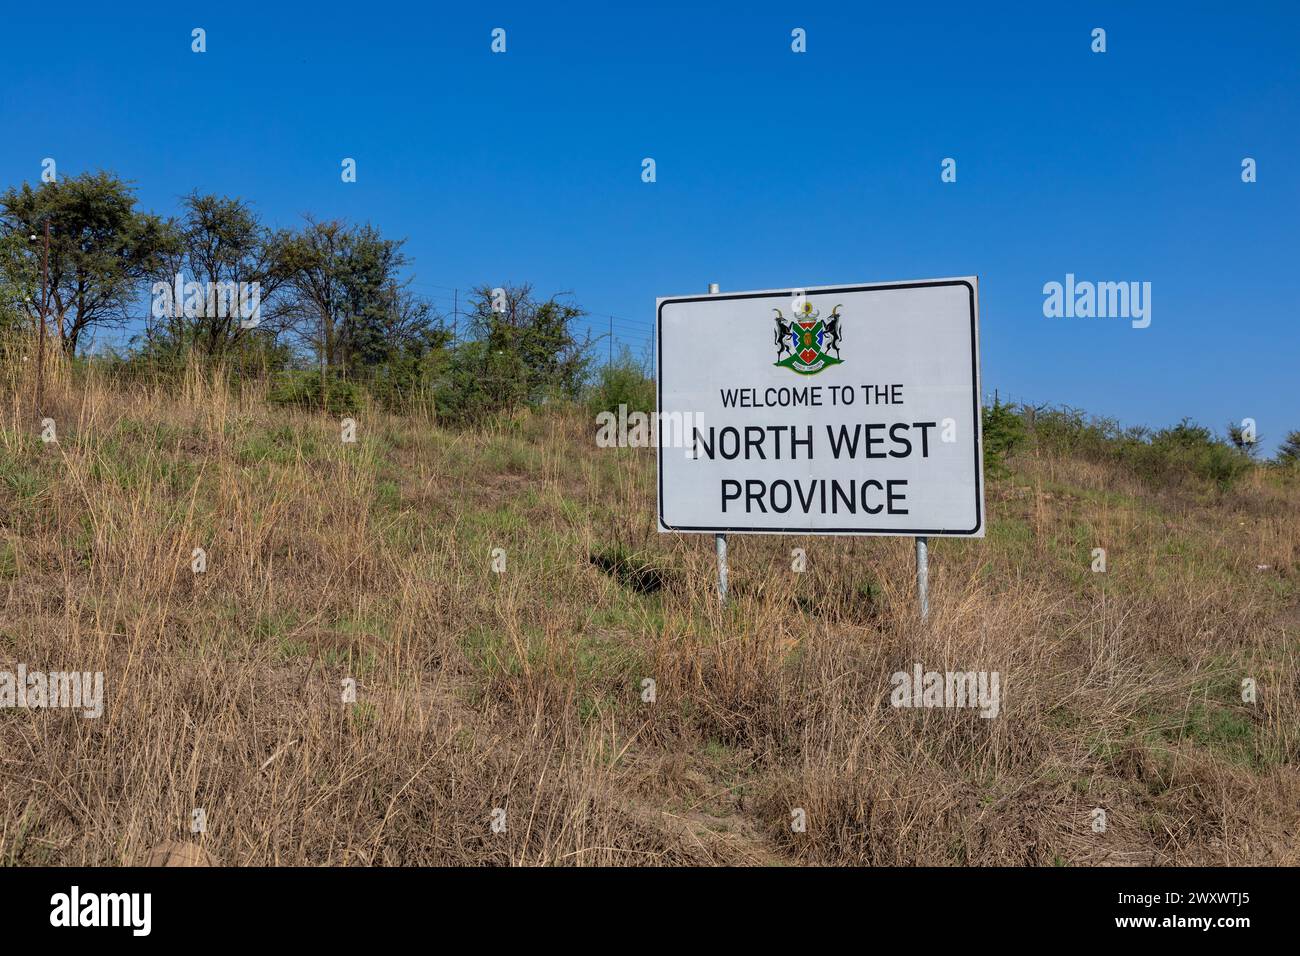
828 290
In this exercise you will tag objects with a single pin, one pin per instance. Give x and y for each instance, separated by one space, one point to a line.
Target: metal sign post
720 540
923 575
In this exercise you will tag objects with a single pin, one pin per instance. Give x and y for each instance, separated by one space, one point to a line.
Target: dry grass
522 690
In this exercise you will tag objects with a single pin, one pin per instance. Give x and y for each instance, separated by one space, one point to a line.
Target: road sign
834 410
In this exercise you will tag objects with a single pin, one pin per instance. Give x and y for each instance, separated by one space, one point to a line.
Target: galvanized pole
923 575
720 540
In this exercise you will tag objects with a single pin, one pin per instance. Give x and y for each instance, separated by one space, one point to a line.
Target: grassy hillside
522 690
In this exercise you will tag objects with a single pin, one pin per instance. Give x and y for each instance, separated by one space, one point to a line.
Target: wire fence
609 339
610 335
453 396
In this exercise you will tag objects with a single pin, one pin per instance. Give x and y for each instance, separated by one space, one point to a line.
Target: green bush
302 389
1004 432
1222 464
1289 452
522 352
624 382
1168 457
406 381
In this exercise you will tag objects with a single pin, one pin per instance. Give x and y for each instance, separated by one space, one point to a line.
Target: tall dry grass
522 691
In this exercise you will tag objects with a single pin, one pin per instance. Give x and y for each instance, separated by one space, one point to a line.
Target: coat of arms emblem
808 339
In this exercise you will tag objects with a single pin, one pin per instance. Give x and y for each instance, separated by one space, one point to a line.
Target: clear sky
774 169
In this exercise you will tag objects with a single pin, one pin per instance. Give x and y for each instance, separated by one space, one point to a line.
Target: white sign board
836 410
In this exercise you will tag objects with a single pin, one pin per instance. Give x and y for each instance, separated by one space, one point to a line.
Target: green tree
100 247
532 352
19 285
1004 432
352 304
382 318
1243 442
1289 452
625 381
220 243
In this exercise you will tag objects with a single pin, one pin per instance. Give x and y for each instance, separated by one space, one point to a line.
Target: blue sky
774 169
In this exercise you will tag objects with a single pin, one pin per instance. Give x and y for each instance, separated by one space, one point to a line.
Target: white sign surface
836 410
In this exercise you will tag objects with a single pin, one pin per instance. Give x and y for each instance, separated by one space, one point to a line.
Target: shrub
1188 447
302 389
1004 431
624 382
1289 452
1167 457
405 382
